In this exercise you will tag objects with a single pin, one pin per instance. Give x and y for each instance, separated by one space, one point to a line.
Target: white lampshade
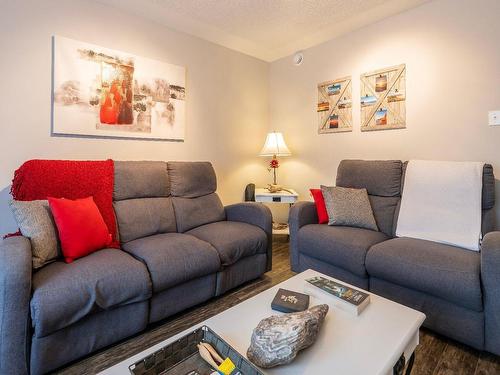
275 145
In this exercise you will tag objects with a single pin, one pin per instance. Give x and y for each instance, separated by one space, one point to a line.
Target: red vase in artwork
109 112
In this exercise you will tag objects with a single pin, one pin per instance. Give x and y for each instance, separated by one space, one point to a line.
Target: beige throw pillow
35 222
348 207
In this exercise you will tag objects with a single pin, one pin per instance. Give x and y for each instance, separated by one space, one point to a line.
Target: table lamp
275 146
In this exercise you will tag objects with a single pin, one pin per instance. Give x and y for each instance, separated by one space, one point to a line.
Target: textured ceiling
266 29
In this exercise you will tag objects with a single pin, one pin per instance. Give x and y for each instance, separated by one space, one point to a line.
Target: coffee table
371 343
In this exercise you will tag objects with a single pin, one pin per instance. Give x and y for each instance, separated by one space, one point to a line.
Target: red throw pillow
81 227
320 205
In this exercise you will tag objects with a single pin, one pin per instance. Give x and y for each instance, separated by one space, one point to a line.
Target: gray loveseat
458 290
180 247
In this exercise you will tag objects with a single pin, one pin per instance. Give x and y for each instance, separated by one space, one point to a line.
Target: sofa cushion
232 240
65 293
174 258
343 247
384 210
379 177
192 179
194 212
349 207
36 222
488 193
319 202
81 227
140 179
144 217
444 271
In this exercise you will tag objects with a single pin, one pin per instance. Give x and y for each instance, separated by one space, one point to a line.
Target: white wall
450 48
452 54
227 94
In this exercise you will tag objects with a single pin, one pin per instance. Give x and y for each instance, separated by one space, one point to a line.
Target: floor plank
457 359
435 355
428 353
488 364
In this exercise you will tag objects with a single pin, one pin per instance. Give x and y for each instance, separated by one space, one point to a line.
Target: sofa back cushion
193 186
488 218
488 197
382 180
191 179
488 222
142 201
140 179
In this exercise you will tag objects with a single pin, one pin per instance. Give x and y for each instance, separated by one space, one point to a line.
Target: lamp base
274 188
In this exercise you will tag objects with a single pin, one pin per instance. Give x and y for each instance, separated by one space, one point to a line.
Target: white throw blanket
442 202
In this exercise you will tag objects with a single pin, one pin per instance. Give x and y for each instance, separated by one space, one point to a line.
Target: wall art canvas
101 92
383 98
335 106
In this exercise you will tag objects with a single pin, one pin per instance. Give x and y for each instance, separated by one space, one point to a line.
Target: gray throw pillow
35 222
349 207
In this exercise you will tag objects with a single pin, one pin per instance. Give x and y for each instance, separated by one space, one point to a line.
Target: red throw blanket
39 179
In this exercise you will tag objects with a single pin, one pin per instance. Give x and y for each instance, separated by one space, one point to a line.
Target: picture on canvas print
334 89
381 83
381 117
395 96
334 121
368 100
104 92
334 106
383 99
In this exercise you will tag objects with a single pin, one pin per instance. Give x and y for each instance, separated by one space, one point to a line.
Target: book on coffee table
349 299
288 301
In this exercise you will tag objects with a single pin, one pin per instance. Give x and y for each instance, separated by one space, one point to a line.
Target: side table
263 195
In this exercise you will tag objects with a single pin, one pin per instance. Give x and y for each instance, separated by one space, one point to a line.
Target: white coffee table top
370 343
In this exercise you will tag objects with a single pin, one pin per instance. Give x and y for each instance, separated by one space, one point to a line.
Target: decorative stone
277 340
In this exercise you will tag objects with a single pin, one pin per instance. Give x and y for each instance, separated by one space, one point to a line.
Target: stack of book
288 301
346 298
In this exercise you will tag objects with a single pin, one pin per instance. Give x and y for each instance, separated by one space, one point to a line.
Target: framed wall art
383 99
335 106
102 92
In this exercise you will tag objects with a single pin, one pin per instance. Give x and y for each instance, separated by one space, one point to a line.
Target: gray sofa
458 290
180 247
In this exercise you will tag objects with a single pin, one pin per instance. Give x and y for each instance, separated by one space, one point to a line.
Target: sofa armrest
490 277
15 292
301 213
256 214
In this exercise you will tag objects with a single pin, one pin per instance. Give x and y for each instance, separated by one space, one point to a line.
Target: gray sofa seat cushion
343 247
174 258
232 240
65 293
443 271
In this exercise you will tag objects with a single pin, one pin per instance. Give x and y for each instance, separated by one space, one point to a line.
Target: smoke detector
298 58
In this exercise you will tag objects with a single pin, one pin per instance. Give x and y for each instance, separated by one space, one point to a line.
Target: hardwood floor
436 355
